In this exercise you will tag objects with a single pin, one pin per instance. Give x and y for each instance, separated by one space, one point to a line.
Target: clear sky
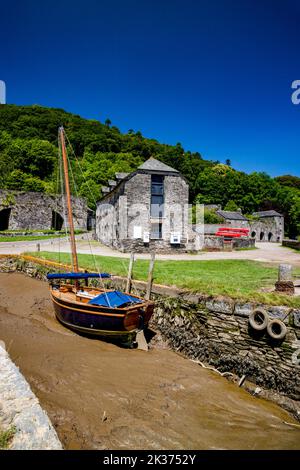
214 75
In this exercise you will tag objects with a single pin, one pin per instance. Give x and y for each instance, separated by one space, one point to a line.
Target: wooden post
129 277
150 277
38 247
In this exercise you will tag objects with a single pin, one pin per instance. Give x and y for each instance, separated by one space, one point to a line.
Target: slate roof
267 214
155 165
121 176
231 215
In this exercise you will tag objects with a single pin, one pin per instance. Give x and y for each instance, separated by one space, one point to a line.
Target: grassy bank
239 279
27 238
31 235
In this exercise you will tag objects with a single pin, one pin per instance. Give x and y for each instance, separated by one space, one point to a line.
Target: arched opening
253 234
57 221
270 236
262 236
4 219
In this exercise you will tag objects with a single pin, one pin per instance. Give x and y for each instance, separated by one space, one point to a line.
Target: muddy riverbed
99 396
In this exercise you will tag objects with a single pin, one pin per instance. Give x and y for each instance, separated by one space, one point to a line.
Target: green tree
231 206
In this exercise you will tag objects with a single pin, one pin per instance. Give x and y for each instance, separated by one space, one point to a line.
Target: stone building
146 210
21 210
235 218
268 226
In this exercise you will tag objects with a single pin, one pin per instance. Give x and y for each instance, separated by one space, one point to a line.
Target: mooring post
285 279
38 247
150 276
129 276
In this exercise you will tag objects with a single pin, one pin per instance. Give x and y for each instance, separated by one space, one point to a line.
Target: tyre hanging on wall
276 329
258 319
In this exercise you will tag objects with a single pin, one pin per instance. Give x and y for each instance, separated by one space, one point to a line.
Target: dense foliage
28 161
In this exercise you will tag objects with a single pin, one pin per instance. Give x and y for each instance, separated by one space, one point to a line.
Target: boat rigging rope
95 202
63 202
97 269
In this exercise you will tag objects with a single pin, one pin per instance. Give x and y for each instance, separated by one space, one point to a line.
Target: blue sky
214 75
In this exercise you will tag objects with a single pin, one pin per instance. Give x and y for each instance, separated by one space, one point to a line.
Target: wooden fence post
129 276
150 277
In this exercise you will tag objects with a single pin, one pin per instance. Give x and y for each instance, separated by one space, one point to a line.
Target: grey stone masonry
125 220
285 272
19 408
34 211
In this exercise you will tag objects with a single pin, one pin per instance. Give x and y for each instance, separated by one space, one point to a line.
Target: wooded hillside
28 161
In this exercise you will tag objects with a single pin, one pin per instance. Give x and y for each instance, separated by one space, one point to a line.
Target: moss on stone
6 437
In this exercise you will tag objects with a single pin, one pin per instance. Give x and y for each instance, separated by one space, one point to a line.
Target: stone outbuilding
20 210
235 218
268 226
146 210
264 226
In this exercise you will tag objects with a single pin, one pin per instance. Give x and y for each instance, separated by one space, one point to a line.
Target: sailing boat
93 310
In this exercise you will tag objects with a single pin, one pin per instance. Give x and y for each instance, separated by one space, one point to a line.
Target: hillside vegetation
28 161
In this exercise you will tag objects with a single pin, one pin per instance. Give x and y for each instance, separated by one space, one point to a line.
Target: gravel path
265 252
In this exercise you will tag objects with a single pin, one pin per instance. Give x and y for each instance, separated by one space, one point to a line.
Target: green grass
21 238
6 437
27 238
45 232
239 279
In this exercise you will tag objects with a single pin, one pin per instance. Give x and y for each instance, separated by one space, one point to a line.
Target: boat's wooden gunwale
102 291
59 298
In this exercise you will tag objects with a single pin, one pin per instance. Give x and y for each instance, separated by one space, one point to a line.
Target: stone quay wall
217 332
20 409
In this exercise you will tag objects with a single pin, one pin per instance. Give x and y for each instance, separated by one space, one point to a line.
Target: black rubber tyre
259 319
276 329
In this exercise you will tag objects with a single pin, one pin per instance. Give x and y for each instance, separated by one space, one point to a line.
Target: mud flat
99 396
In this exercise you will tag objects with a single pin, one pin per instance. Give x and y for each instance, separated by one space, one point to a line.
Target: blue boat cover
76 275
114 299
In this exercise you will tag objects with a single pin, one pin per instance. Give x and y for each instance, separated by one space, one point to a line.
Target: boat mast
69 202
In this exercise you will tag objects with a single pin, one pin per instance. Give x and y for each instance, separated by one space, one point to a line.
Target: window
156 230
157 196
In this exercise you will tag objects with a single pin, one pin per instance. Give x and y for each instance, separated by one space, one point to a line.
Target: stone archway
57 221
253 234
262 236
270 236
4 219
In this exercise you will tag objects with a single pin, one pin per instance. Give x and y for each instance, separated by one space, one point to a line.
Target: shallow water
99 396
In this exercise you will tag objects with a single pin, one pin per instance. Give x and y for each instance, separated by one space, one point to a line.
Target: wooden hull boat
73 310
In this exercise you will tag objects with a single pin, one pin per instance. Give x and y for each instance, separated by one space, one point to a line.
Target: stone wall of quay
20 409
216 332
